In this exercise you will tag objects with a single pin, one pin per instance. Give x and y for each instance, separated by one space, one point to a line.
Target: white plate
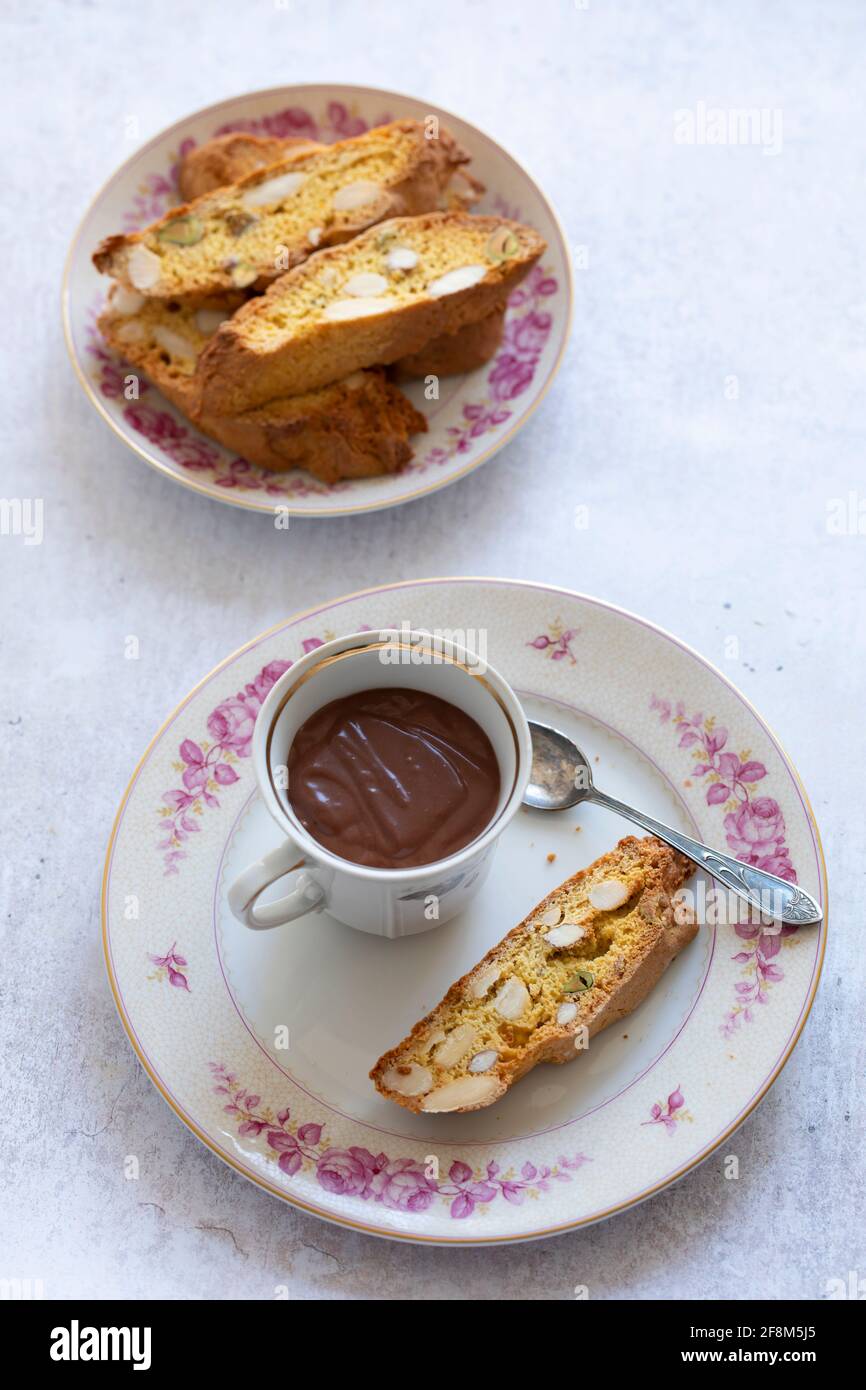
476 413
204 1000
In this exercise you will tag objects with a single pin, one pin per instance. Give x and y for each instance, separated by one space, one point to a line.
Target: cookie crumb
550 858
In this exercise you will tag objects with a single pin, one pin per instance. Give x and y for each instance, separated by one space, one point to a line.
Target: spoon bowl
561 777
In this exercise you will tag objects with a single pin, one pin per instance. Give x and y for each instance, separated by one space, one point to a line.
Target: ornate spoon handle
772 896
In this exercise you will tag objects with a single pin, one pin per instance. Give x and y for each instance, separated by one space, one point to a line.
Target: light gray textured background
708 515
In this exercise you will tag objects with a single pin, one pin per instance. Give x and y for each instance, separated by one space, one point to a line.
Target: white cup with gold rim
385 902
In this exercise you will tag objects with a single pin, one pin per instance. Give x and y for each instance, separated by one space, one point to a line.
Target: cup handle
243 896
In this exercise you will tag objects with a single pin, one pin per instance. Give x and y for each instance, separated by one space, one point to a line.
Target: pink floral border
207 765
400 1184
337 123
754 831
527 330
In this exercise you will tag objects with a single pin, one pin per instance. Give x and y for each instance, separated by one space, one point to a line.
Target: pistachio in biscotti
579 982
239 221
183 231
502 245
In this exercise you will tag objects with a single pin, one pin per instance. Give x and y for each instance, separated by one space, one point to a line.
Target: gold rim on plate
269 510
412 1237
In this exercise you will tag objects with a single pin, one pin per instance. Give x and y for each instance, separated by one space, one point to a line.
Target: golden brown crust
236 372
454 353
354 429
659 937
417 190
358 428
229 158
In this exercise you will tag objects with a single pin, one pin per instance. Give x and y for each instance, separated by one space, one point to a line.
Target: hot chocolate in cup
392 761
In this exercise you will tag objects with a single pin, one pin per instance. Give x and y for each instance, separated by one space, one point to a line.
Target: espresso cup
385 902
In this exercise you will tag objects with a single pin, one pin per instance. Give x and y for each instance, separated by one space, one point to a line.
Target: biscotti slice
164 338
582 959
252 231
227 158
359 427
452 354
356 428
378 298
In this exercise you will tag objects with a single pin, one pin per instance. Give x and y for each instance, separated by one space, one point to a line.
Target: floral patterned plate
475 415
261 1041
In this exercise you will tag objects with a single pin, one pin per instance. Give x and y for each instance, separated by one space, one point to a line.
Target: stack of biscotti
182 281
356 428
378 298
582 959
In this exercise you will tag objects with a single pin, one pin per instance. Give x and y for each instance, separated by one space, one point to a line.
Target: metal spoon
561 777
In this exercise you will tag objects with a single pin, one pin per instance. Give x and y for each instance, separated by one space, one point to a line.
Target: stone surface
708 414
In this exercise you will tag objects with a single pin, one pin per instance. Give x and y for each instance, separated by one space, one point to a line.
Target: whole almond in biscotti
164 339
356 428
252 231
570 969
360 304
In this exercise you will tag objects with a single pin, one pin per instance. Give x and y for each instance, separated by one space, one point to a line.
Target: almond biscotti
376 299
355 428
252 231
227 158
582 959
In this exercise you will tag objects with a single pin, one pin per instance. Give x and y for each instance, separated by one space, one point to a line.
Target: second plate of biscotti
381 352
